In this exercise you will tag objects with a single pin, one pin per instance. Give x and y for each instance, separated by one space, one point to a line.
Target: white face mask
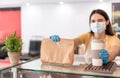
98 27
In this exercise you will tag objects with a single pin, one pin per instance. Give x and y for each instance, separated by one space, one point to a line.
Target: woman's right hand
55 38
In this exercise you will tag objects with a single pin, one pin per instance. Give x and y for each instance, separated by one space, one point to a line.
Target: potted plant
13 45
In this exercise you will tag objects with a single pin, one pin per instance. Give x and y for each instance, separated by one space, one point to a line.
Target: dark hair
109 30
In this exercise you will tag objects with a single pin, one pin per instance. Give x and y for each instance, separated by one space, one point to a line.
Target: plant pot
14 57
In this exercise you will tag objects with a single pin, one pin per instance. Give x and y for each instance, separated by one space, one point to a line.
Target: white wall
68 20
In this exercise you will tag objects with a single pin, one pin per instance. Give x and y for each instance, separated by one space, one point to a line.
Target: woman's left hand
104 56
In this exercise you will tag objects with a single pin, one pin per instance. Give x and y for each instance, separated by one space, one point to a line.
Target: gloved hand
104 56
55 38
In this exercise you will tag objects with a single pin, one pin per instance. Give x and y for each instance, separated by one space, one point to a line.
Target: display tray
108 68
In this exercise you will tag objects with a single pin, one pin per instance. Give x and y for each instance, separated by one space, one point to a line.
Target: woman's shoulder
113 38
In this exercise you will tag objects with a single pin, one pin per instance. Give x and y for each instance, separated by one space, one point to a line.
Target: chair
34 46
3 54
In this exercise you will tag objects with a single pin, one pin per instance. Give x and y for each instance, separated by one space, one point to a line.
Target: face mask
98 27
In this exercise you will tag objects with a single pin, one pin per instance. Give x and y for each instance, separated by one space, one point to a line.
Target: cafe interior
34 21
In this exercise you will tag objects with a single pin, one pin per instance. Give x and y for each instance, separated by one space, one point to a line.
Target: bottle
96 46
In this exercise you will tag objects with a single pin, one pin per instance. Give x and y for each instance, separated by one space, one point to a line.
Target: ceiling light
100 0
27 4
61 3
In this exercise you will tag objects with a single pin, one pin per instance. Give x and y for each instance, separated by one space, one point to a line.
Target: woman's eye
92 21
100 20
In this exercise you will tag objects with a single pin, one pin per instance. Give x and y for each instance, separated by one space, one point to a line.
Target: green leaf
13 43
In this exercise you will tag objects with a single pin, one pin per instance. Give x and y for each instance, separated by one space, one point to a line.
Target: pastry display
108 68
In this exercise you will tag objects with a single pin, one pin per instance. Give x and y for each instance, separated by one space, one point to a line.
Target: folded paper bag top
57 52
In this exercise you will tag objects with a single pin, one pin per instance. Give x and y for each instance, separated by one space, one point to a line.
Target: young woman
101 28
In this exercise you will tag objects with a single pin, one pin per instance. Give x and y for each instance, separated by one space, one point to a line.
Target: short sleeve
85 39
114 41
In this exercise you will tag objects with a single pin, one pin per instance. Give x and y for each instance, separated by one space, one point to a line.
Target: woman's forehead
97 16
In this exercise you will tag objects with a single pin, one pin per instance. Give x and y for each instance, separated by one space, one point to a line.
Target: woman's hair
109 30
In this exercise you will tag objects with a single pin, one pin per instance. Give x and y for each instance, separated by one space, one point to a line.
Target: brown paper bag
57 52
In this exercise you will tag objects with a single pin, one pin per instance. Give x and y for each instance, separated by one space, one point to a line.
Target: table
8 71
37 69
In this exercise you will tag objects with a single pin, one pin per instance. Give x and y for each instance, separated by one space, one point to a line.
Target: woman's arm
114 51
114 47
77 42
83 39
